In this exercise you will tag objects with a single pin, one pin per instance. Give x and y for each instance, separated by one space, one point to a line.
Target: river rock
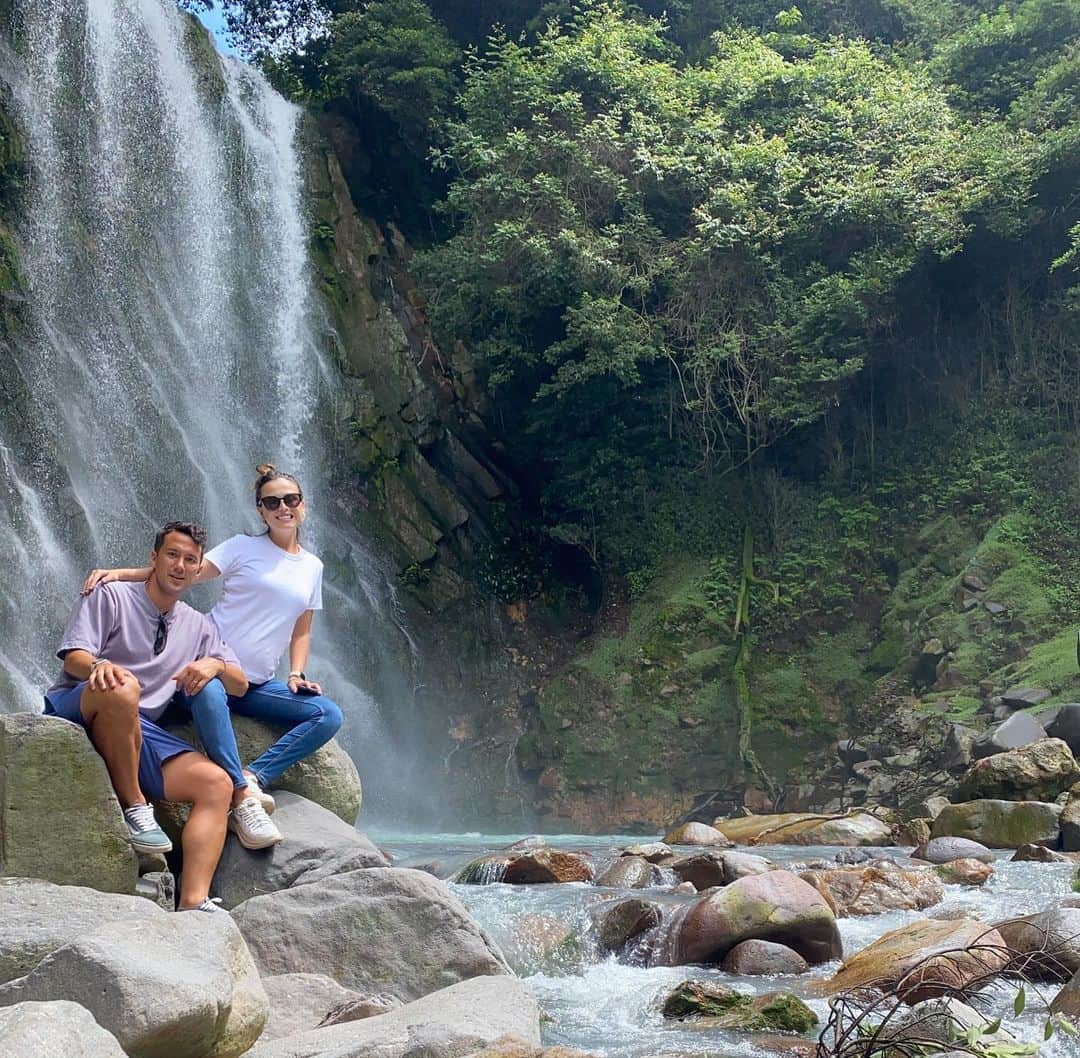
60 1029
457 1020
653 851
1067 1001
928 808
317 844
82 841
618 924
1037 772
941 1020
965 872
1070 825
630 872
1039 853
1001 824
724 1008
328 776
1023 697
1065 724
547 865
776 906
947 849
1020 729
756 958
170 986
973 951
744 865
1050 940
696 834
877 888
381 929
796 828
702 870
299 1002
39 917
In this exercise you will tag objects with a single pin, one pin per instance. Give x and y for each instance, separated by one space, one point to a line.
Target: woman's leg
314 719
213 722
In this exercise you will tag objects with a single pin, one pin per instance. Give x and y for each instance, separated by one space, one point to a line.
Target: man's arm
100 673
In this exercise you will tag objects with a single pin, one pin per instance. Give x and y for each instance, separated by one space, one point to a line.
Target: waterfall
173 337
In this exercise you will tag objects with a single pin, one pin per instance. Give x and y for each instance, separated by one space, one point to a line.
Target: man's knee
117 706
215 787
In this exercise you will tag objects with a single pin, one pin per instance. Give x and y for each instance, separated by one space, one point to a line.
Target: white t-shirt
265 590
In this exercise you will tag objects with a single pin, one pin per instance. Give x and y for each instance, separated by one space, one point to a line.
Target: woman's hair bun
265 468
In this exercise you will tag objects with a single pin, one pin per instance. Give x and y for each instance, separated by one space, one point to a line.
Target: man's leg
111 719
192 777
314 719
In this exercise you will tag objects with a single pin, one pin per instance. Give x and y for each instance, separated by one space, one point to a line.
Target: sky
215 21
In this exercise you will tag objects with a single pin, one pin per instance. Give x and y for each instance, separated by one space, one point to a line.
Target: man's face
175 564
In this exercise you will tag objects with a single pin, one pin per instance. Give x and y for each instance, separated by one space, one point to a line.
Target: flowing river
600 1005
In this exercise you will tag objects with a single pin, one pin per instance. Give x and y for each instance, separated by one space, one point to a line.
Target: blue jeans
313 720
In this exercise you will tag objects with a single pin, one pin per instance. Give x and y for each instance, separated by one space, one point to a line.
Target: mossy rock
727 1009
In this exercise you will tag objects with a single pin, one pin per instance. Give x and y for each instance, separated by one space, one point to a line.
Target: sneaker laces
212 903
141 817
249 813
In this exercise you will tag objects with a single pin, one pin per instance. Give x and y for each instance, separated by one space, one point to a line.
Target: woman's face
285 492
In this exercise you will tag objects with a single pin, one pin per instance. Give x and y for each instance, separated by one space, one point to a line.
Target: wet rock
380 929
944 850
318 844
744 865
942 1021
949 955
618 924
1001 824
796 828
630 872
1038 854
1017 731
548 865
541 943
776 906
965 872
876 889
852 857
528 844
87 842
696 834
515 1047
1066 1002
458 1020
1050 941
1070 825
484 870
760 957
702 871
1037 772
653 851
725 1008
59 1028
171 986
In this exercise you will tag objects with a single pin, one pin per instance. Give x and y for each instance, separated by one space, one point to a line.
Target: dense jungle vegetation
774 289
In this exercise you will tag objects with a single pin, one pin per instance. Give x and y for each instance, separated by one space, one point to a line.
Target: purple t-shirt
118 621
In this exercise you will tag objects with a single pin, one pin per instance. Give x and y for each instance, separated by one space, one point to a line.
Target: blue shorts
158 746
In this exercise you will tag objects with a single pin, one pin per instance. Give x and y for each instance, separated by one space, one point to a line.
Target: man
129 650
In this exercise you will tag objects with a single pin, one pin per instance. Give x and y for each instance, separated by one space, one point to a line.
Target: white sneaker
252 826
260 795
211 905
143 831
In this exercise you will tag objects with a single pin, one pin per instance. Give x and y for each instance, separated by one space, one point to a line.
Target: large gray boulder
1001 824
328 777
317 845
1040 771
300 1002
381 929
947 849
80 840
450 1023
60 1029
1065 724
1050 940
1020 729
38 917
171 986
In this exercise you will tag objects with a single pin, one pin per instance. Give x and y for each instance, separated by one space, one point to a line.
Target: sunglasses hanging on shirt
161 636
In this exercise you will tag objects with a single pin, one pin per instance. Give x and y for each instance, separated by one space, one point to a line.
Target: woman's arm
105 576
299 649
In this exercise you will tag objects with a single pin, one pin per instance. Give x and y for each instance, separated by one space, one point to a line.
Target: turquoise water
599 1005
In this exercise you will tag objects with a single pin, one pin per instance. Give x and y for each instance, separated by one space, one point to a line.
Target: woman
271 590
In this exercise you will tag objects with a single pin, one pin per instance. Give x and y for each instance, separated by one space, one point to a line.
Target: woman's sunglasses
272 503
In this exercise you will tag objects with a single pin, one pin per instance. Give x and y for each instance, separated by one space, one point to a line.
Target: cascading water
172 337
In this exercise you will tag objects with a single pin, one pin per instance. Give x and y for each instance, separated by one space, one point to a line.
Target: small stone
965 872
972 582
969 603
668 690
1038 854
1022 697
994 608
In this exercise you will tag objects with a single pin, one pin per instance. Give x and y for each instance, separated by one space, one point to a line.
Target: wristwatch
298 675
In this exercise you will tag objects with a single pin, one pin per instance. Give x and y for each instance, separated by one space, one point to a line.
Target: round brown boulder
758 957
697 834
965 872
630 872
877 888
924 959
547 865
776 906
620 923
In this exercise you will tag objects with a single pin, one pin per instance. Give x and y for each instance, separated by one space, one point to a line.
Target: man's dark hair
196 532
